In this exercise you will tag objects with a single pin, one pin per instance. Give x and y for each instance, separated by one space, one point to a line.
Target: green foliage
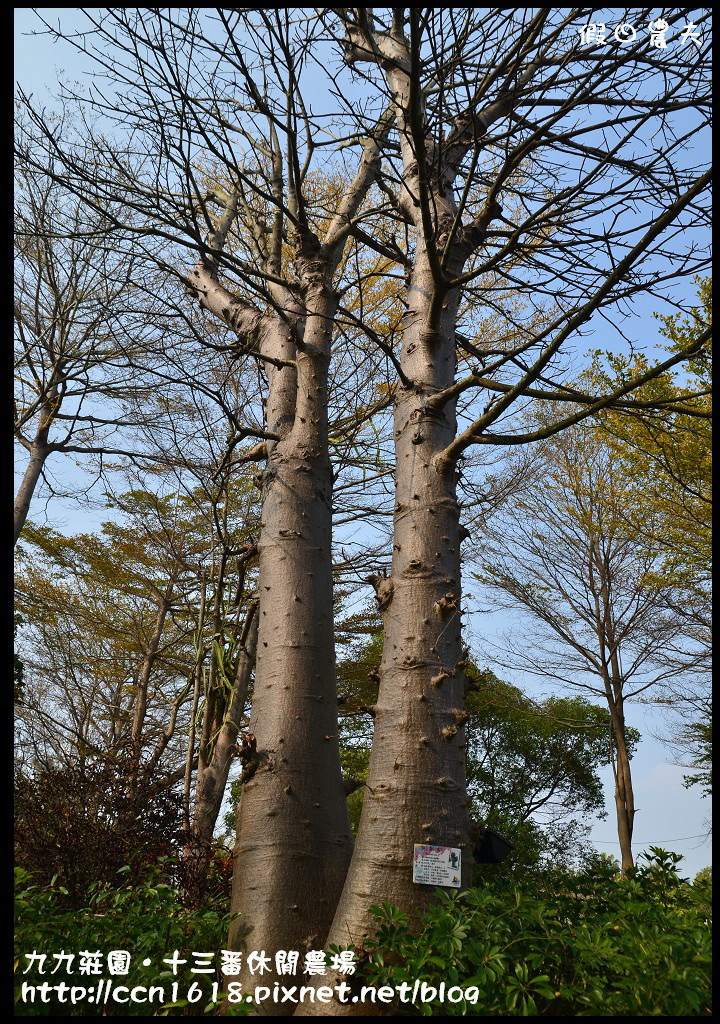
667 450
532 769
532 766
704 878
580 944
563 943
357 674
147 919
697 737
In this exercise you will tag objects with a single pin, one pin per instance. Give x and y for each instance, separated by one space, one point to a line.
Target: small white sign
436 865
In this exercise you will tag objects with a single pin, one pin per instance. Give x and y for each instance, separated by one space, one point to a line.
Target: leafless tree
230 184
566 553
526 159
84 336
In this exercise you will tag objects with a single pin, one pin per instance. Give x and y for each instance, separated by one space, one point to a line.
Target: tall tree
567 553
669 448
523 159
532 765
260 252
84 330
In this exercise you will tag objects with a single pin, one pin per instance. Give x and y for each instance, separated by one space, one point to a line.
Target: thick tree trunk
293 832
38 455
293 839
415 791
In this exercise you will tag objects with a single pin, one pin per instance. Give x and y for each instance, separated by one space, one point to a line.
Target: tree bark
197 680
293 839
600 580
624 796
143 683
212 777
38 455
416 790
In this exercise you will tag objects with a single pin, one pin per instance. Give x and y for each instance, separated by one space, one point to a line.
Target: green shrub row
559 943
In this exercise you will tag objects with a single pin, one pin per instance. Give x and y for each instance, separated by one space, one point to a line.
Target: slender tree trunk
215 695
38 455
212 779
293 839
197 680
600 584
141 693
624 796
415 791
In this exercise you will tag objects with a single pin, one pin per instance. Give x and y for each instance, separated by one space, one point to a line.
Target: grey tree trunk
38 454
197 680
600 581
212 777
416 788
293 839
415 791
624 796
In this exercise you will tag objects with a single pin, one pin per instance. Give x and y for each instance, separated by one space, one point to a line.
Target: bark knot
384 589
447 604
248 755
445 782
444 673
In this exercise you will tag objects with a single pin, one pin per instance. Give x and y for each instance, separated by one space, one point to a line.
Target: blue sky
668 815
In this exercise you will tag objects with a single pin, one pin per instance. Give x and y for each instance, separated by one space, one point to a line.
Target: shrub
576 944
82 823
146 918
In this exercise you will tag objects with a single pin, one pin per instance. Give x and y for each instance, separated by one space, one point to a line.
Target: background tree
532 765
18 666
84 328
566 553
533 770
125 664
669 455
519 158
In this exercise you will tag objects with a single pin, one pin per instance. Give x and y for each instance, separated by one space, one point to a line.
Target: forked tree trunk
416 789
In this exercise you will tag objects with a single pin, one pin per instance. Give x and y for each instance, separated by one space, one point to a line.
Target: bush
82 823
579 944
586 943
147 919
